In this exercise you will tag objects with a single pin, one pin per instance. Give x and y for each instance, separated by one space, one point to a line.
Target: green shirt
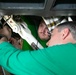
55 60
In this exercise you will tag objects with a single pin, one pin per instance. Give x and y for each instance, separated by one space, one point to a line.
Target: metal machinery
38 7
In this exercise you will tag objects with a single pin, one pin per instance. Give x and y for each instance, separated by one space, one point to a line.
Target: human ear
65 33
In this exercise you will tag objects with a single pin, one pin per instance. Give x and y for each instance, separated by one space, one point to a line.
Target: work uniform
55 60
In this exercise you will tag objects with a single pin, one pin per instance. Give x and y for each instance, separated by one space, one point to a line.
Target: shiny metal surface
44 8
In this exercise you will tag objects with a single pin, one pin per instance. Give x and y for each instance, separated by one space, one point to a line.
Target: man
43 32
57 59
13 38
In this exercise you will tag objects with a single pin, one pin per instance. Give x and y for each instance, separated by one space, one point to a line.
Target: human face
55 38
43 31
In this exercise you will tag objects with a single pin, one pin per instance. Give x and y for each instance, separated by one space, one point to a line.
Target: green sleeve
19 62
55 60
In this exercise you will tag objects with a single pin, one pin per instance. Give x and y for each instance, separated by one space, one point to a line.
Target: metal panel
45 8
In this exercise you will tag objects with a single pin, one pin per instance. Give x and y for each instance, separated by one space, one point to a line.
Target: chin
41 38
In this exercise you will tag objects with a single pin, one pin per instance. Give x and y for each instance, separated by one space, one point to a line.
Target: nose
46 30
43 29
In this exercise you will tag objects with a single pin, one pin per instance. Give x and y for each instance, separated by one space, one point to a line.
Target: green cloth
55 60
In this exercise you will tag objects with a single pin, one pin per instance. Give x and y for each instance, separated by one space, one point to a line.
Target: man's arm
14 60
9 57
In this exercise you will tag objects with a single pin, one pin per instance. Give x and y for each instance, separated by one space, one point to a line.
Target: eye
41 25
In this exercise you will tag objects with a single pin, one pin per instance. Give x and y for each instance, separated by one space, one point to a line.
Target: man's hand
3 39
